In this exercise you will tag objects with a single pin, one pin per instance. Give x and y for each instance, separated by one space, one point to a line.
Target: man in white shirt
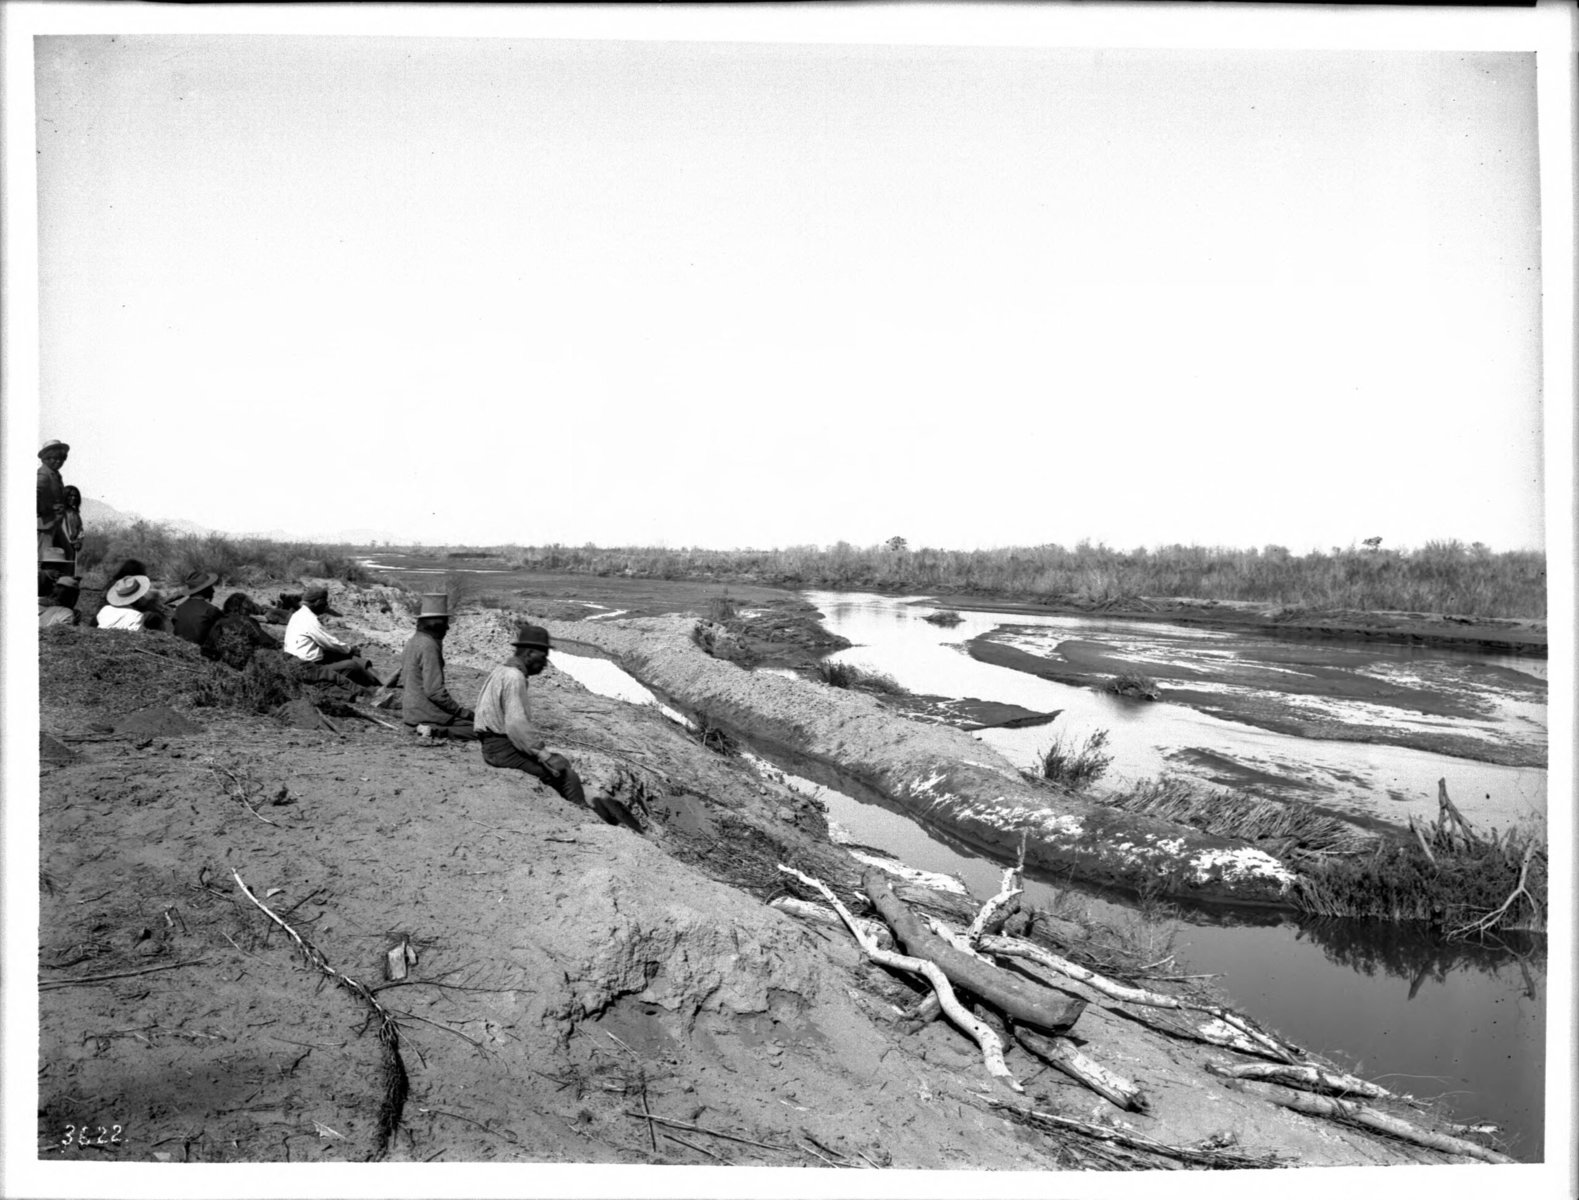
308 640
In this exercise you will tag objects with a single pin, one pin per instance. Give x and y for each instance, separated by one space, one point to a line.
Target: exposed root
396 1081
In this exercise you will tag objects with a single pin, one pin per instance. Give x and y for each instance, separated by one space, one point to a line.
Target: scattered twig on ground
674 1137
241 793
730 1137
1206 1157
50 984
396 1082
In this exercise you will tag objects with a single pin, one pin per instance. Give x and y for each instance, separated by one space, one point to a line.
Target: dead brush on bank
1287 827
261 686
1466 884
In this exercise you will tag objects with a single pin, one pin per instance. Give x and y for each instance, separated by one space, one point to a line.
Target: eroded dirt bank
567 974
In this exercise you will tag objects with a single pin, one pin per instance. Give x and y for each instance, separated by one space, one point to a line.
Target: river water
1463 1024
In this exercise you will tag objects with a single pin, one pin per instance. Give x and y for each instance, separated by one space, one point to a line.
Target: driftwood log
1026 1002
1370 1118
1238 1033
1302 1075
1061 1053
991 1044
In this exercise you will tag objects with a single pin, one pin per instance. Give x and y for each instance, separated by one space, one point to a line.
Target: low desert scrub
170 555
852 677
1076 765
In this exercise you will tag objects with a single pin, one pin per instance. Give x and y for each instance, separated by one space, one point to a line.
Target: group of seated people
230 634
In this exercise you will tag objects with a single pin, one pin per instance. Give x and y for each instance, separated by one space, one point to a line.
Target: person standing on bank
504 727
426 705
308 640
52 498
195 615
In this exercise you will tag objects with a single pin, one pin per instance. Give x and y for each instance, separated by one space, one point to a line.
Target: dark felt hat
528 634
198 580
314 594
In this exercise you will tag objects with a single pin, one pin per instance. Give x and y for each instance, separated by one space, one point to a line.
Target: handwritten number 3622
81 1136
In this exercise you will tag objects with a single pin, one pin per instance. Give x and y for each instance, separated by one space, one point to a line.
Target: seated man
128 603
61 607
504 728
196 615
427 706
306 639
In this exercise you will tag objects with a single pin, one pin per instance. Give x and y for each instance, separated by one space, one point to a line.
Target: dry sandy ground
569 976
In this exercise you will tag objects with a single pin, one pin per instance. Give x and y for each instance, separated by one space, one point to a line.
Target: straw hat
53 554
128 591
434 604
53 444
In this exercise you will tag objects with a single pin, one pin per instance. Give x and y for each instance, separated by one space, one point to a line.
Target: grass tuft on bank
1076 764
854 678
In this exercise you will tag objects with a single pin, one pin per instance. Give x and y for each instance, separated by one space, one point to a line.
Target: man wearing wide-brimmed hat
427 707
127 603
504 727
61 606
52 497
308 640
195 615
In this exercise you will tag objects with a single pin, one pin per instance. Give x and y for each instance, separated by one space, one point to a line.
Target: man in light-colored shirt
504 727
308 640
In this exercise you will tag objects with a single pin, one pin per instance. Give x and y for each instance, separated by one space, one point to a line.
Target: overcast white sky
757 295
507 289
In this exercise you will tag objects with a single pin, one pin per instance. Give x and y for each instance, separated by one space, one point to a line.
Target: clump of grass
1135 686
850 676
721 609
945 617
1074 764
1289 827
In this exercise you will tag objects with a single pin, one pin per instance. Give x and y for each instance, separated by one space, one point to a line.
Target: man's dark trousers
500 751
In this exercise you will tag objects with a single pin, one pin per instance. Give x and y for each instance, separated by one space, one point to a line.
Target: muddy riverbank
569 976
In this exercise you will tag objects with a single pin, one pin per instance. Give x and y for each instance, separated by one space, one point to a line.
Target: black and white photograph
790 600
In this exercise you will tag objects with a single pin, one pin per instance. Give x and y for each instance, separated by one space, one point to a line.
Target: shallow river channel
1456 1022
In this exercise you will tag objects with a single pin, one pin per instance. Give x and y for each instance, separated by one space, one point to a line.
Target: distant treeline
171 556
1439 577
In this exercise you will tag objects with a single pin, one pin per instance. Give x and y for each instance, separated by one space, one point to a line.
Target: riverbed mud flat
563 975
1505 635
1291 689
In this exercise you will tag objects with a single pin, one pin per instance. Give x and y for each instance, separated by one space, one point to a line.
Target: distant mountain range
97 512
